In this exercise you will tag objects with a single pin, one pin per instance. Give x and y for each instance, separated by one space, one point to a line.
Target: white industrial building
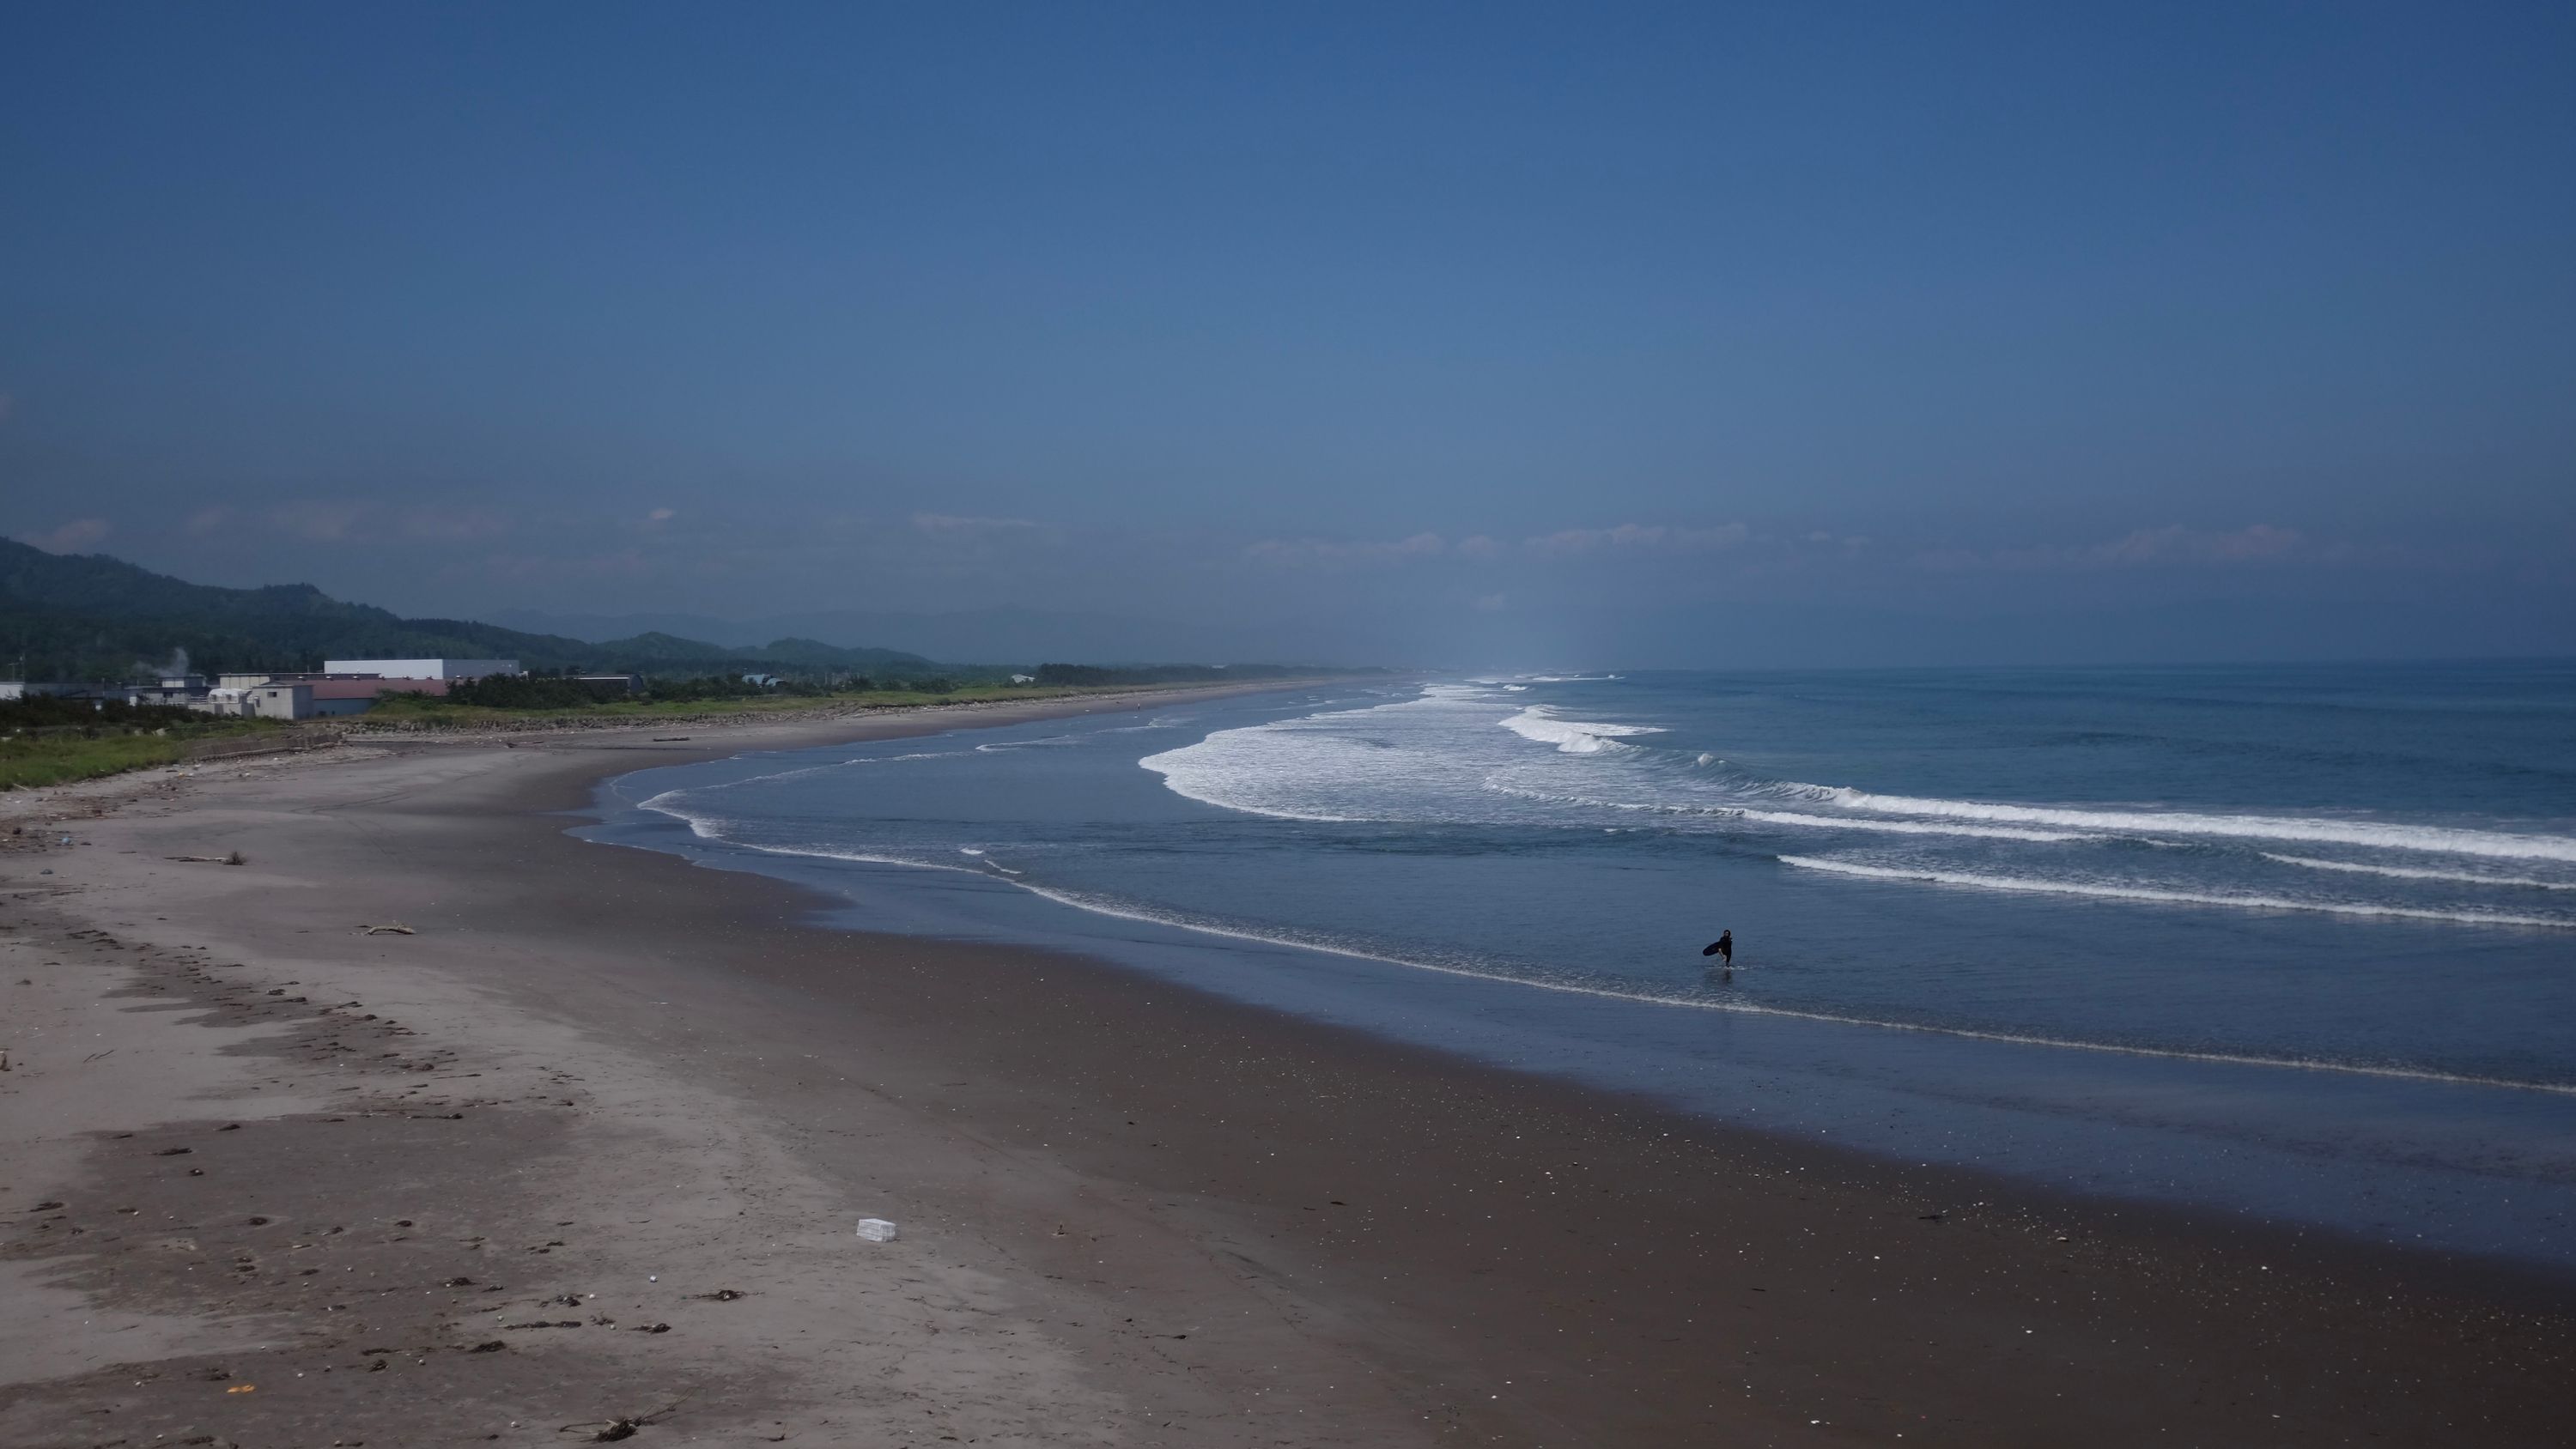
422 668
292 696
348 686
178 691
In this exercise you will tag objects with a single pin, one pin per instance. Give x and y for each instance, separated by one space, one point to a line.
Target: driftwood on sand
608 1431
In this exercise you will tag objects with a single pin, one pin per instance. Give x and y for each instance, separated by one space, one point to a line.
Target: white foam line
2361 1069
777 775
1911 827
1004 746
710 827
1572 736
1187 793
860 857
810 852
1789 817
2402 872
2434 838
1096 906
2147 893
1261 809
1152 724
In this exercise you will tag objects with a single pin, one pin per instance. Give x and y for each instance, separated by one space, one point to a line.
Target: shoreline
1314 1200
2382 1155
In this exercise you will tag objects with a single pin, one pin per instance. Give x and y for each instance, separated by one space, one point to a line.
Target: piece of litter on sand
397 930
612 1430
876 1230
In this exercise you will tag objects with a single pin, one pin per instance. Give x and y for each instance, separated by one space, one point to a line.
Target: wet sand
602 1084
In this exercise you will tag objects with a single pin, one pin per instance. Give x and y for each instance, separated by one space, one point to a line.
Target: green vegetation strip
54 741
32 760
422 709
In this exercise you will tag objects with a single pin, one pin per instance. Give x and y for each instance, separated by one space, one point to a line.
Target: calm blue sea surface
2296 942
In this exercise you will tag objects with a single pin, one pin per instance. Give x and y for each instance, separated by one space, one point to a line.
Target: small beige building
278 701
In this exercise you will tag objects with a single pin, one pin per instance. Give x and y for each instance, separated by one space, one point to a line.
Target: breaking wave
2041 886
2406 872
1794 818
2433 838
1572 737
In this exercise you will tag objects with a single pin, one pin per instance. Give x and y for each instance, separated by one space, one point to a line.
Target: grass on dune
431 710
47 741
27 761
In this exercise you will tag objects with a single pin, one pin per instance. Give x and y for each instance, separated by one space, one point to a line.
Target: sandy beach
579 1152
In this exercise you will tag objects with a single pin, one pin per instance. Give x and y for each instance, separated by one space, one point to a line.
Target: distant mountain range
996 633
89 616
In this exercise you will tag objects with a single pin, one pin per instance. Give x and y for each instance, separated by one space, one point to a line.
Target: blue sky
1473 334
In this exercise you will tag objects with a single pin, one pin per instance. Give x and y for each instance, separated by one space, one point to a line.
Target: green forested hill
89 616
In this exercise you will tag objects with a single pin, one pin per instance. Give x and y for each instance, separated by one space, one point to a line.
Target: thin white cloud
951 525
1327 553
71 537
622 564
318 519
207 520
2139 548
452 525
1658 537
1323 553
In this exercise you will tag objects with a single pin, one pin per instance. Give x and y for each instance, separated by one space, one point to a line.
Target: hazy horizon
1012 634
1490 338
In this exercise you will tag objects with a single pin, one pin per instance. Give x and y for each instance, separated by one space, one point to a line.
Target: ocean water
2299 943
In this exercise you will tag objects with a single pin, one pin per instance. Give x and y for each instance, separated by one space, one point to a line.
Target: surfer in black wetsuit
1723 947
